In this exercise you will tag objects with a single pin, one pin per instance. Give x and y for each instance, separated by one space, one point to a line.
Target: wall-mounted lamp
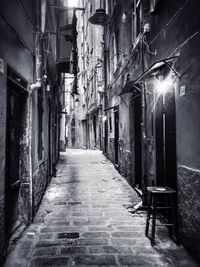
47 88
163 85
104 118
124 17
100 17
72 3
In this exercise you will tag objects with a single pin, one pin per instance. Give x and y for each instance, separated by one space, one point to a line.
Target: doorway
84 134
16 107
94 120
116 135
106 137
138 140
165 126
73 134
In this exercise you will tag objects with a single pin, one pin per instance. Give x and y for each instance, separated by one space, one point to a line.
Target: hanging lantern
100 17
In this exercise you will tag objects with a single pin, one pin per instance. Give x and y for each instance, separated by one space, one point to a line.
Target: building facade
30 108
135 96
85 127
151 103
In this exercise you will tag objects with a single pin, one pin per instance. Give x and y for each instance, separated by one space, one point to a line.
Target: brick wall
189 209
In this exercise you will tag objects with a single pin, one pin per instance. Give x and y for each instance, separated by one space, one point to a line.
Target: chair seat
161 190
166 194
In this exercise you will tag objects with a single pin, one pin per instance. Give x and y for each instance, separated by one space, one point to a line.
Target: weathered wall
16 50
120 32
111 149
41 168
2 155
174 31
189 208
17 40
124 137
25 205
188 147
39 185
184 42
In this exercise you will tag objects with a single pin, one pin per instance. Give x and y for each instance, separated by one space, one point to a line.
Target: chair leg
148 214
169 213
153 221
174 218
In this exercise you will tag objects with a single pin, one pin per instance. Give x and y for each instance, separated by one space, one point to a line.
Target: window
110 122
108 61
136 19
115 55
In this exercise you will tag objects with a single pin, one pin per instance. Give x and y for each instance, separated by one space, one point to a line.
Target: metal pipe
144 134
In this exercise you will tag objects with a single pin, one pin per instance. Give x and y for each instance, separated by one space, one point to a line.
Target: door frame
165 140
116 136
19 85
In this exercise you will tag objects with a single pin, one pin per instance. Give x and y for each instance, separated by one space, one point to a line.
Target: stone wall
40 181
2 156
125 162
189 209
2 234
111 149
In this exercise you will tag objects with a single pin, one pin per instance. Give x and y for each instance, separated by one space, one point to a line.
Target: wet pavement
85 220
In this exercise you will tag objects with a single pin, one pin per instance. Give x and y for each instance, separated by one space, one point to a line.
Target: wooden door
166 140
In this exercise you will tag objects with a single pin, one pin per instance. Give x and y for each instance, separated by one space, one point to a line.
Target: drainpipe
144 133
37 76
38 50
105 88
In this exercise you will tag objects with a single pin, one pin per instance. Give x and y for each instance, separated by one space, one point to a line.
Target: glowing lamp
104 118
163 85
72 3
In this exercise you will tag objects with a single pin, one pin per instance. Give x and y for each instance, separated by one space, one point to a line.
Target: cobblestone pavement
84 221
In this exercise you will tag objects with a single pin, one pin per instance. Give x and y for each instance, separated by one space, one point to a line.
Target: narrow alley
99 133
84 220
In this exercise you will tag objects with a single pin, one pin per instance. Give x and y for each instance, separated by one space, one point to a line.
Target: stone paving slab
84 221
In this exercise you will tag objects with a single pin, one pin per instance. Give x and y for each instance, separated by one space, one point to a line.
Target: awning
116 106
130 87
155 68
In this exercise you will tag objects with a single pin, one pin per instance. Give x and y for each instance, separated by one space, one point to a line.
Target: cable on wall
17 35
28 17
170 21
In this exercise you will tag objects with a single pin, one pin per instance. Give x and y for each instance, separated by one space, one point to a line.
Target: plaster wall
184 43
